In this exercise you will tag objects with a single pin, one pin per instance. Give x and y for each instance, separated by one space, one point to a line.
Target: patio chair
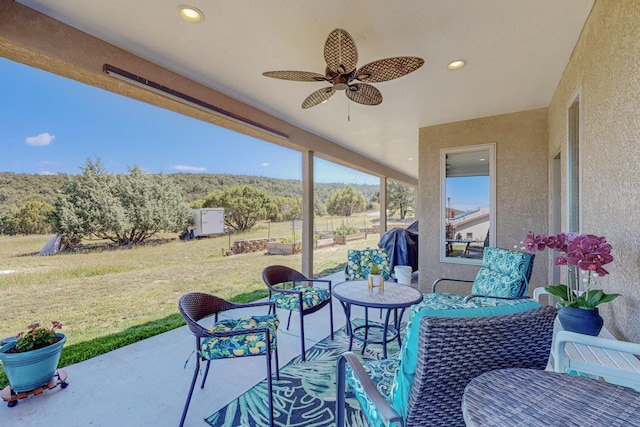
477 251
359 263
246 336
504 275
438 358
287 291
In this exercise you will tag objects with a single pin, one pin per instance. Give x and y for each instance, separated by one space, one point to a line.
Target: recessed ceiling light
191 14
482 159
410 158
457 64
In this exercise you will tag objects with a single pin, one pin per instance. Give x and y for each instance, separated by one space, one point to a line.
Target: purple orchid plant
585 253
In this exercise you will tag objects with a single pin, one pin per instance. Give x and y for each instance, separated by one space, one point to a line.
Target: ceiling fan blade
364 94
340 52
299 76
386 69
318 97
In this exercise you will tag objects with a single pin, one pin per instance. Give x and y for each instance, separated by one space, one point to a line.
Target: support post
307 213
383 205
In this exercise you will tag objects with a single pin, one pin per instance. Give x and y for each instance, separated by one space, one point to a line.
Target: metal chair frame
275 275
196 306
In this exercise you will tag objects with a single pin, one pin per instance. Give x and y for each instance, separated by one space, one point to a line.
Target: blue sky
50 124
468 193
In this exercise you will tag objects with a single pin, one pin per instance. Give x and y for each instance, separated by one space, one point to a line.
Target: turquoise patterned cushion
359 263
311 297
503 273
250 344
382 373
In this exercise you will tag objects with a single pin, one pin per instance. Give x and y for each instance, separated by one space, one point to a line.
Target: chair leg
277 364
304 356
331 317
340 391
270 383
206 372
193 383
289 320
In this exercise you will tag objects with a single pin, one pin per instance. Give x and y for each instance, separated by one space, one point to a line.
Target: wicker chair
230 337
451 352
297 297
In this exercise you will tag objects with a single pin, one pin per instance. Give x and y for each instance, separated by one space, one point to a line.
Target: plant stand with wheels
8 395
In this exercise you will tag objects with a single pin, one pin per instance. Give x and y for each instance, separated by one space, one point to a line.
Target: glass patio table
394 297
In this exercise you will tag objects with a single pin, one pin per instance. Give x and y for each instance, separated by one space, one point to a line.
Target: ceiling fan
341 56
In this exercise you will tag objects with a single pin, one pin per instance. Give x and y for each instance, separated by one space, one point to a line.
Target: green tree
400 199
32 218
128 208
319 208
346 201
288 209
243 206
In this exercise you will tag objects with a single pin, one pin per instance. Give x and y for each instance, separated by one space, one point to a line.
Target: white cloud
185 168
265 164
46 173
40 140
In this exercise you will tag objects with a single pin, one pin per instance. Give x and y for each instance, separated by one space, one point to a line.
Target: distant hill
17 188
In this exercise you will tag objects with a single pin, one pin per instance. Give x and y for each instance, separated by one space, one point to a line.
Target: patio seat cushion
360 262
442 305
311 297
249 344
382 374
503 273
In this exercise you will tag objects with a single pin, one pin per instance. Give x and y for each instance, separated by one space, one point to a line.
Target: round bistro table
394 297
532 398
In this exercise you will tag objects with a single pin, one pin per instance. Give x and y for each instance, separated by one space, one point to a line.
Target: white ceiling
516 51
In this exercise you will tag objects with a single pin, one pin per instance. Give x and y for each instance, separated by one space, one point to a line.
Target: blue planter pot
31 369
579 320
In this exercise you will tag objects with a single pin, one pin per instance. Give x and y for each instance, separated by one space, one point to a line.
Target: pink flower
586 251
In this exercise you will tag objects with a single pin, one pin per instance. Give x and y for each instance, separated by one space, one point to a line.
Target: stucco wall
521 186
605 62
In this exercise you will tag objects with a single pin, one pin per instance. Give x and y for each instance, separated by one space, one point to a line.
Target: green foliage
16 190
345 202
36 336
586 300
289 239
375 270
319 208
288 209
400 199
32 218
126 209
243 206
345 230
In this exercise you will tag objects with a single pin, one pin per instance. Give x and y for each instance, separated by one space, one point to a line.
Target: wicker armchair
287 291
247 336
450 353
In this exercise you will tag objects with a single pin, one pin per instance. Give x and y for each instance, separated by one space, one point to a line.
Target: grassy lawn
112 298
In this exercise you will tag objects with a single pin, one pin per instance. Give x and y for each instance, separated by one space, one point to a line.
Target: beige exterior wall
521 186
605 63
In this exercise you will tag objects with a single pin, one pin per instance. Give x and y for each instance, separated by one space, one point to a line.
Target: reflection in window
467 212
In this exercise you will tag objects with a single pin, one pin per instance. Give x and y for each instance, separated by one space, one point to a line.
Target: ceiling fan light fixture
457 64
341 57
190 13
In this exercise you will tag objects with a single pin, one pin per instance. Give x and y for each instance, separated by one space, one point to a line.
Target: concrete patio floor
146 383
